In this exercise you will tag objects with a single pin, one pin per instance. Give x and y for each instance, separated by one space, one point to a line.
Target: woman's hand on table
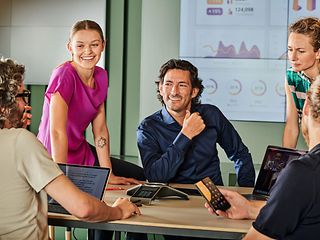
116 180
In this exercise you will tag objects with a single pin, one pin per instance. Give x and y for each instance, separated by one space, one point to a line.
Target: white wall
39 31
5 23
159 42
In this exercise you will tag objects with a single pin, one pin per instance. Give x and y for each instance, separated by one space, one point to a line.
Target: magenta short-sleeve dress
83 105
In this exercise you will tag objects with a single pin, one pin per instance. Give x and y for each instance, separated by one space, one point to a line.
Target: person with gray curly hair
12 87
27 172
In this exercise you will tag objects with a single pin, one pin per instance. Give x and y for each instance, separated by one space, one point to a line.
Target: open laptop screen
275 159
91 180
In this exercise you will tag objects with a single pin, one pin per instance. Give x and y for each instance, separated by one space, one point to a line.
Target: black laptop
275 159
91 180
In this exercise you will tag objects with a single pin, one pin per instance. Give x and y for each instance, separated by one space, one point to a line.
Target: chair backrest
127 169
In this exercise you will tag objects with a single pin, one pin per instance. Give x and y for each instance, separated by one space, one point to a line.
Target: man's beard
15 118
305 130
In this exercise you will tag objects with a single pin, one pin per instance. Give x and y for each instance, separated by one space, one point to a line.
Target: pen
114 188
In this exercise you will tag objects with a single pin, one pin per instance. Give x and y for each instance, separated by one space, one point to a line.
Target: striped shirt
299 84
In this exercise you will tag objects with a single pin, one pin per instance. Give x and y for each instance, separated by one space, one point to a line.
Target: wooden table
170 217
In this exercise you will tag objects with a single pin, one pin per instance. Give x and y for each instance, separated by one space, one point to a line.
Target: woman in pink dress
75 97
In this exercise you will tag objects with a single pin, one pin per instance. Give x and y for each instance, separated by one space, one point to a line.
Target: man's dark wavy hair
196 82
11 77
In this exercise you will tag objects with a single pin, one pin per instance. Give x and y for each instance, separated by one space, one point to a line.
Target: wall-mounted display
240 49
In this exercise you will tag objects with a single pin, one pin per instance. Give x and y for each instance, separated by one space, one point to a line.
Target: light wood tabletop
166 216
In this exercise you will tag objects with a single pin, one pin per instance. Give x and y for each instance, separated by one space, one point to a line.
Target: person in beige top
27 172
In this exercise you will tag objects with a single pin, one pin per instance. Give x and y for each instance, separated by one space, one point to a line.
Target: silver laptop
275 159
91 180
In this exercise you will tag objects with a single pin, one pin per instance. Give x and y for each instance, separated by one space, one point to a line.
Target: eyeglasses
25 95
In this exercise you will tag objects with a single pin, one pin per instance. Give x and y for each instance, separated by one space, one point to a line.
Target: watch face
146 192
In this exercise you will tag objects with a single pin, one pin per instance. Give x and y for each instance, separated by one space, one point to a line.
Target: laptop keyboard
255 197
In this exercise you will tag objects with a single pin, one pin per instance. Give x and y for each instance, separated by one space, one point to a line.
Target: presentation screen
240 49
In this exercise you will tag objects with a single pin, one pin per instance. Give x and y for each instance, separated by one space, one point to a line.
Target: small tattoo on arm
101 142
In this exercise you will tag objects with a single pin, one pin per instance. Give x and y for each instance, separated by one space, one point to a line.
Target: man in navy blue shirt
179 142
293 209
